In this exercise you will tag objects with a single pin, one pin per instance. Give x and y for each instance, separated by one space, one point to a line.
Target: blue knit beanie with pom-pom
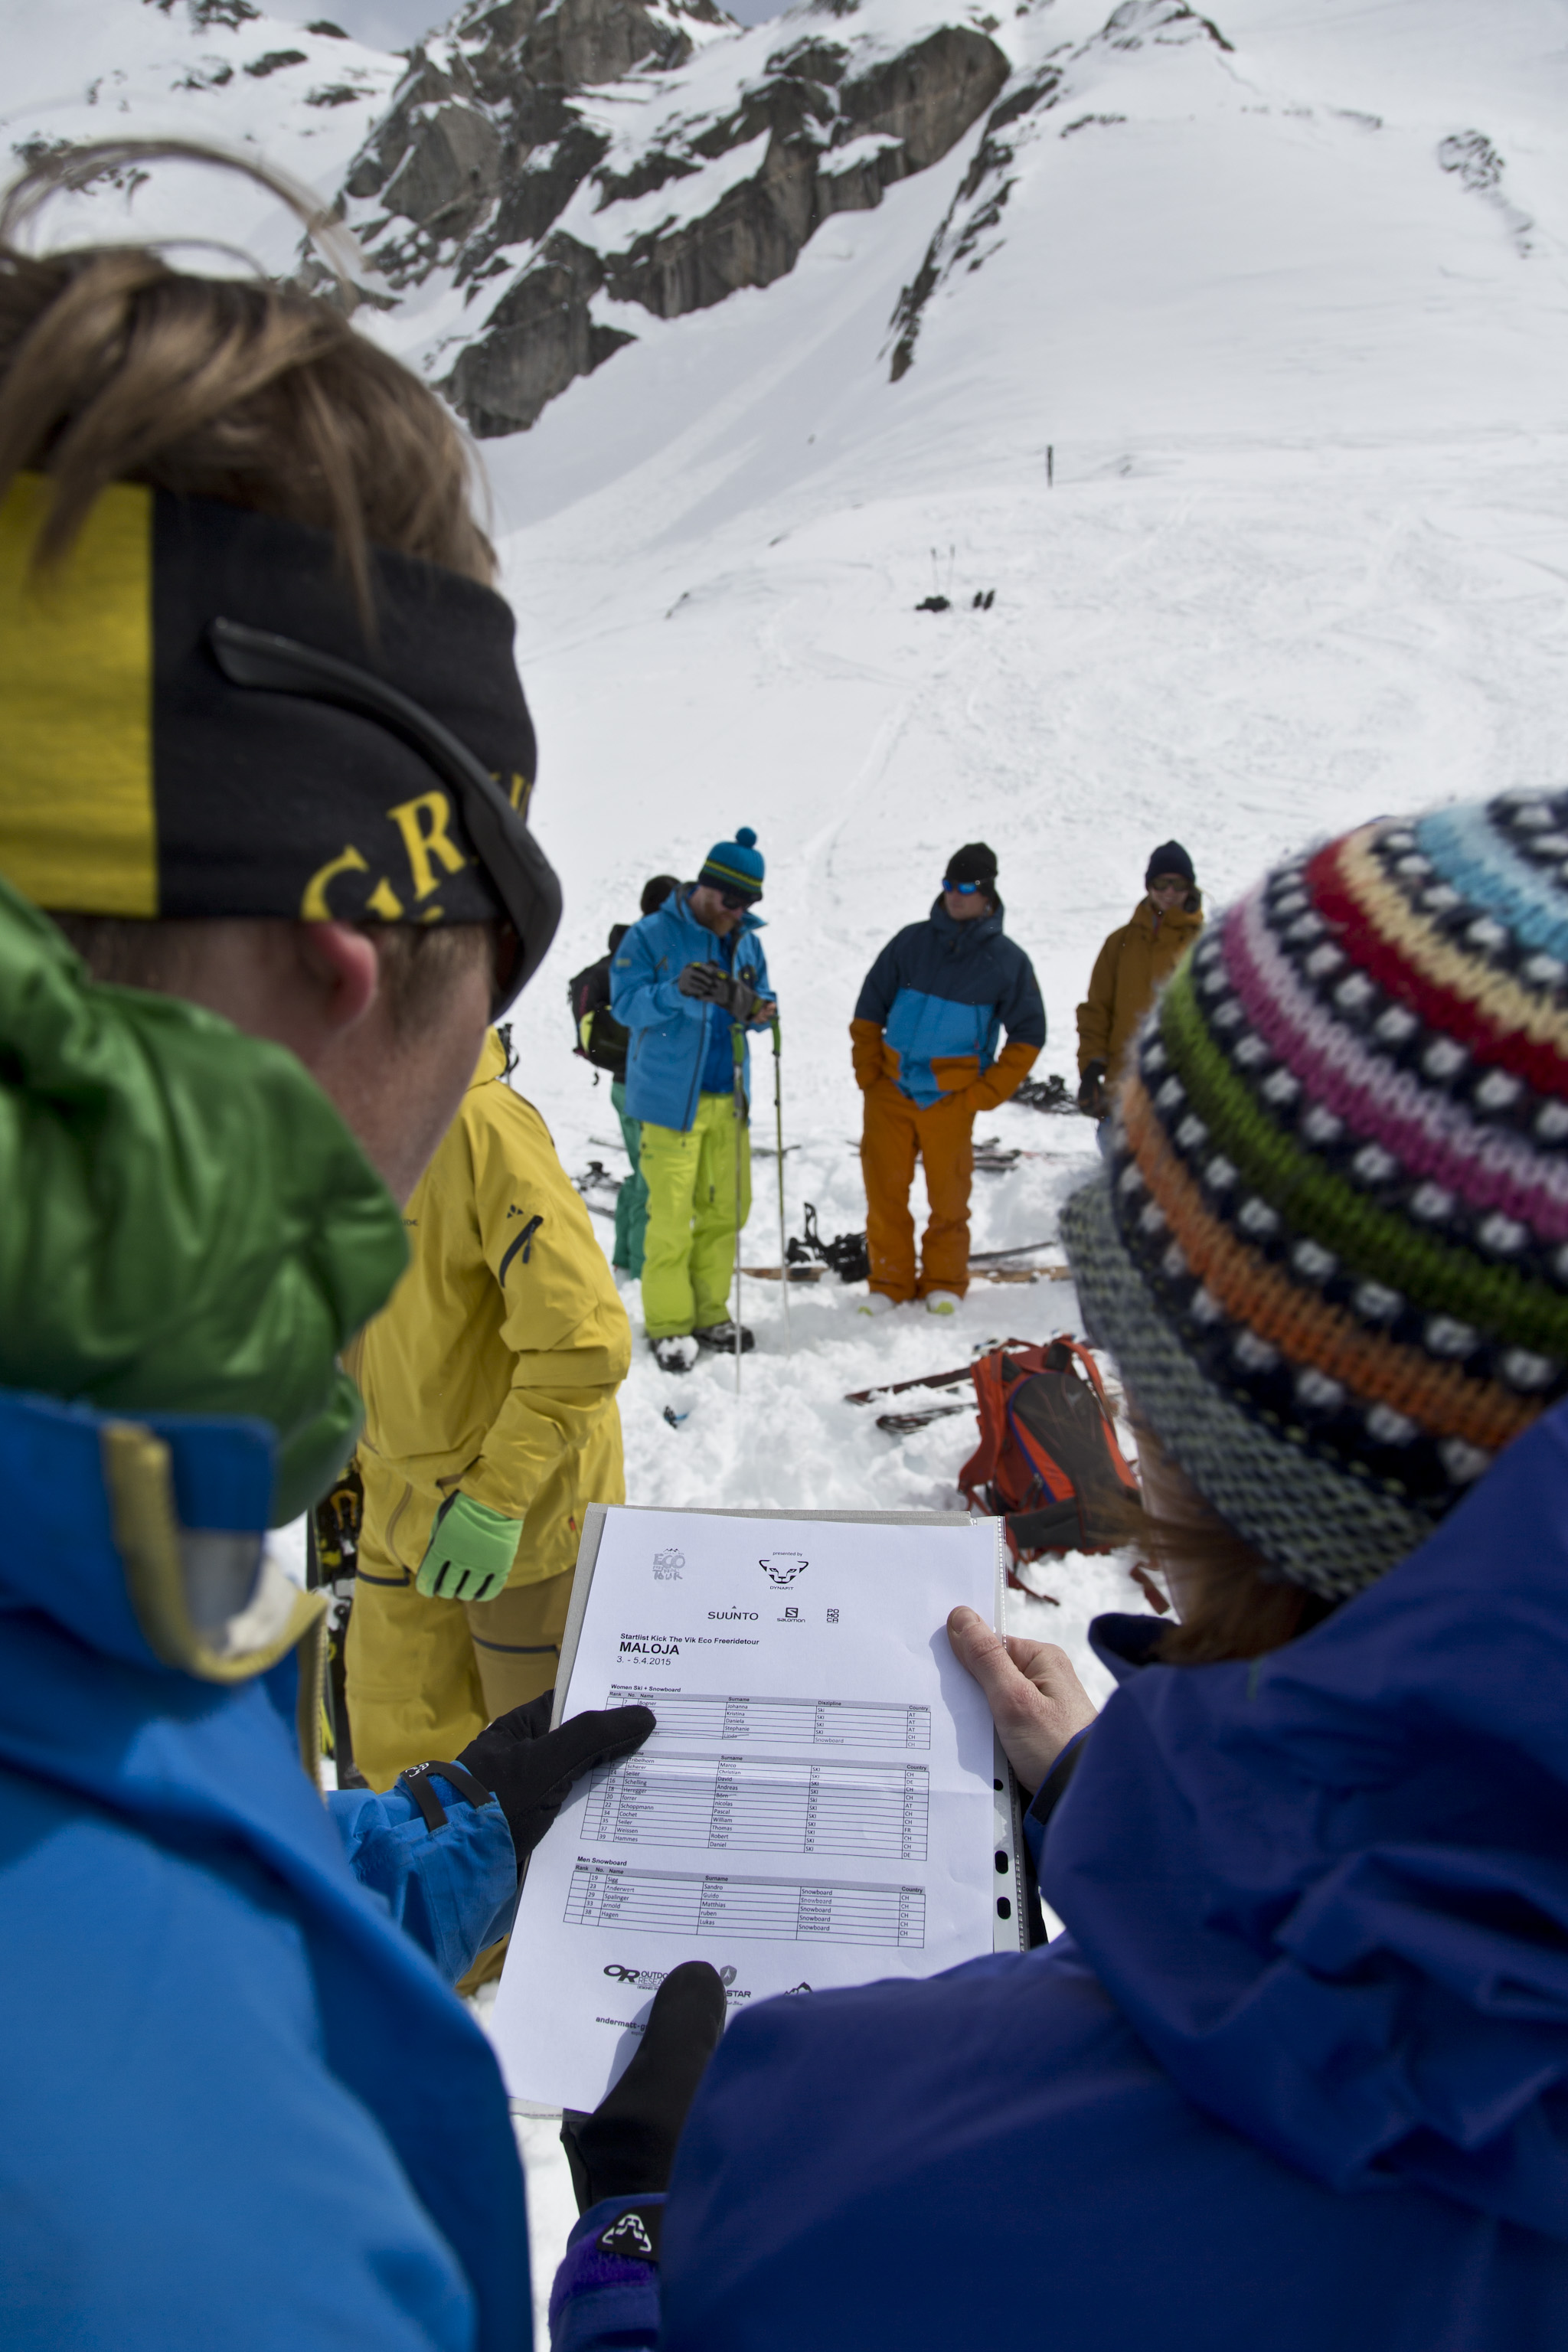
735 864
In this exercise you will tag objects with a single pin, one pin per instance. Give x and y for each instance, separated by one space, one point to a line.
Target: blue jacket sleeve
1049 1794
602 2298
881 984
1023 1009
641 996
454 1889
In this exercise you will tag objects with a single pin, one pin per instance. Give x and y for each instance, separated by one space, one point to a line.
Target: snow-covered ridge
219 70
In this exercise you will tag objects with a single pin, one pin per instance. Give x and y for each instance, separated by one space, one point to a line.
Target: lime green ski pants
688 1261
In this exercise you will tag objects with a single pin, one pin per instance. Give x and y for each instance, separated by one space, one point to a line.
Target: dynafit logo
668 1563
783 1566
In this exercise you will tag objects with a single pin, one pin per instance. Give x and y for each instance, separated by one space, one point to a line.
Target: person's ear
343 969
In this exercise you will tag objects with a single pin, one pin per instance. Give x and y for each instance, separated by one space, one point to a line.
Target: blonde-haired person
1297 2072
261 894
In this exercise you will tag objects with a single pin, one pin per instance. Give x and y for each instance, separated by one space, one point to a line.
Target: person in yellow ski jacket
490 1384
1131 968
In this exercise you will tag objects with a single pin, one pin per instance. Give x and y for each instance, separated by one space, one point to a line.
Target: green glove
470 1552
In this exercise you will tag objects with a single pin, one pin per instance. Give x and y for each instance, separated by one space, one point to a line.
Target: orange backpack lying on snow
1047 1460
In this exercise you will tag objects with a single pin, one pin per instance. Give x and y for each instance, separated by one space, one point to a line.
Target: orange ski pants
895 1132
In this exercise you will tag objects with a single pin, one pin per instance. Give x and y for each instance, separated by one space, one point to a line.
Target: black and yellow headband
194 721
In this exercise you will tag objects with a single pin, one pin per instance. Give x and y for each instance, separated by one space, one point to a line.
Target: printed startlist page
815 1808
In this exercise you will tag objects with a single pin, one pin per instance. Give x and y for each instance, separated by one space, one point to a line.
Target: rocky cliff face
1048 100
517 156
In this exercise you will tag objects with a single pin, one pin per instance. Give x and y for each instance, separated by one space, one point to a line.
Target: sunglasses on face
964 890
1165 883
735 902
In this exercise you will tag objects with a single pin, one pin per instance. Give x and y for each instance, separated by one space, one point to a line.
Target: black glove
711 984
626 2147
1091 1091
531 1767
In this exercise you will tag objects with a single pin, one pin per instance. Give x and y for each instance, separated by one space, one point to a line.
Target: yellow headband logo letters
422 824
313 907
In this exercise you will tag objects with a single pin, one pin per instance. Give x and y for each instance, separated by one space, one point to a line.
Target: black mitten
627 2147
531 1767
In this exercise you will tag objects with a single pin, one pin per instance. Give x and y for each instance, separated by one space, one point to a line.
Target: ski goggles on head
196 720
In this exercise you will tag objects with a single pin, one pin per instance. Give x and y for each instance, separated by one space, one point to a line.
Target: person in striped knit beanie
1331 1255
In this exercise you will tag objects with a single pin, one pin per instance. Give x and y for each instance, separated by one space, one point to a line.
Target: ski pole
778 1123
738 1047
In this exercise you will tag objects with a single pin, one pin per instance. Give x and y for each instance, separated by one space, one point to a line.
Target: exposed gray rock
490 139
485 115
539 338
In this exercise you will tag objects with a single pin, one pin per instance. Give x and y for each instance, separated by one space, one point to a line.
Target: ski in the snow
903 1424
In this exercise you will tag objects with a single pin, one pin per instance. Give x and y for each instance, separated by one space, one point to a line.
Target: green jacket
188 1225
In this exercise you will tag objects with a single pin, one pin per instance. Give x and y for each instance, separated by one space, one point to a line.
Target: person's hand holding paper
1037 1700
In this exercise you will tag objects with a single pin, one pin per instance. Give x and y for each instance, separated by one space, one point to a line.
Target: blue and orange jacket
933 1006
672 1035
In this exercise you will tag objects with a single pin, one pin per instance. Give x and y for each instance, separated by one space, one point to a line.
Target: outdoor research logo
783 1566
651 1979
667 1564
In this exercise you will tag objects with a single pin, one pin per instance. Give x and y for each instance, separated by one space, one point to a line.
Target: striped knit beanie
1331 1255
735 865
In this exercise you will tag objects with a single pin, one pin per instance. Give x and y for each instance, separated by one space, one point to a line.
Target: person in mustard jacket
1131 969
489 1385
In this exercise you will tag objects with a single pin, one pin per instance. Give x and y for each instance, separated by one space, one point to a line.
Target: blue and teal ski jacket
1296 2076
242 2106
672 1035
940 993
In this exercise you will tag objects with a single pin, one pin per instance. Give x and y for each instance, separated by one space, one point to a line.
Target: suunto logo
783 1566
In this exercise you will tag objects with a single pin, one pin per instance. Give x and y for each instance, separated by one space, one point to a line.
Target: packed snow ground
1304 561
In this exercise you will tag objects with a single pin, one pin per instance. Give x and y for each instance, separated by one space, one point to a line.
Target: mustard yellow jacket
1128 973
495 1365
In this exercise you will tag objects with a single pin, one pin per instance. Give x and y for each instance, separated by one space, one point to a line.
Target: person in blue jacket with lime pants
687 982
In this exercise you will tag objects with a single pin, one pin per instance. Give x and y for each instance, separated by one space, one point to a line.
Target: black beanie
1170 859
974 862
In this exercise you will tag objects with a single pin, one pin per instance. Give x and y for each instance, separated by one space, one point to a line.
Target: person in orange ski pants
924 1033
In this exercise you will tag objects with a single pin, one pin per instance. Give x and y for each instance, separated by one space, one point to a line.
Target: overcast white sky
394 23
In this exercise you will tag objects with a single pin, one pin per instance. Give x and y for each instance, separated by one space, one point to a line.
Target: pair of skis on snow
900 1424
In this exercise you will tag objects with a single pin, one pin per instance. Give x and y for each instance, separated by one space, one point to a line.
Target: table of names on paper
766 1806
693 1903
699 1715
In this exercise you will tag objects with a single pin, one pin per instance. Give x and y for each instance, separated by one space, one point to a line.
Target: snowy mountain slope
1293 320
220 70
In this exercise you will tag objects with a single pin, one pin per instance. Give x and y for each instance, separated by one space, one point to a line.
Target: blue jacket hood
148 1683
1329 1889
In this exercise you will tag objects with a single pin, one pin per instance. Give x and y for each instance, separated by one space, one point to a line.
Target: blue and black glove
627 2147
531 1768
